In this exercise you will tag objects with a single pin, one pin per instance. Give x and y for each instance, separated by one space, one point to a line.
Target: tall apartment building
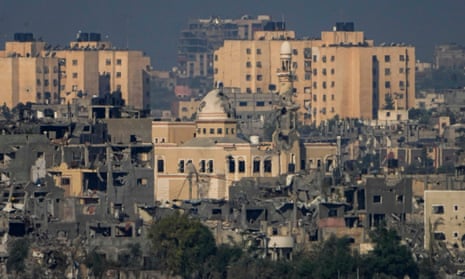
26 76
203 36
340 73
87 67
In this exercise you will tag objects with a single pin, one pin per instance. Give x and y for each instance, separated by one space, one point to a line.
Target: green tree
181 245
17 252
389 257
333 259
97 263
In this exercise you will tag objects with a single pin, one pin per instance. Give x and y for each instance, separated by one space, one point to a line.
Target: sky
153 26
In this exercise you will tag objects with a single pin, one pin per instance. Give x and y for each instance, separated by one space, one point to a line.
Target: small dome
286 48
214 106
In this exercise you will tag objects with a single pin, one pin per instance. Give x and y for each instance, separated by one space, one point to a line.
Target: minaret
286 137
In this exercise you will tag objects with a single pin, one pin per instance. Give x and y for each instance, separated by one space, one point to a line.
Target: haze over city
154 26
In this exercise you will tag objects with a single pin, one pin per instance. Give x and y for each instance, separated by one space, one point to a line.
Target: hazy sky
153 26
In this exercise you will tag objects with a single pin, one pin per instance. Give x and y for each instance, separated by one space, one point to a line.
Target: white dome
286 48
214 106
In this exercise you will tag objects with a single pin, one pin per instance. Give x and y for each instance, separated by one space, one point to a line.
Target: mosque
202 159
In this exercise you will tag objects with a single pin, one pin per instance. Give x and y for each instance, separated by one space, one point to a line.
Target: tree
389 257
181 245
333 259
97 263
17 252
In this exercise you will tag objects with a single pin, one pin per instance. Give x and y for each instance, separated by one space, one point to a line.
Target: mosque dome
286 48
214 106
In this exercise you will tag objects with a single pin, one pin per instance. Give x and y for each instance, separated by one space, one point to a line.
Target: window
210 166
377 199
202 166
38 82
75 75
323 72
315 72
332 58
161 165
400 198
232 131
438 209
267 166
65 181
294 65
314 98
324 97
258 64
387 84
74 62
242 104
107 61
259 51
332 212
259 77
219 131
456 207
241 166
401 70
295 52
315 85
439 236
232 165
118 62
181 166
307 90
260 104
387 58
118 74
248 64
332 97
212 131
323 58
401 57
323 84
332 71
248 90
216 57
256 166
307 53
401 84
248 77
315 58
248 51
333 84
308 76
387 71
142 181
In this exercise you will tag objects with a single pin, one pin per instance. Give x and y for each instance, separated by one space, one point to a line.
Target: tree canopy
181 245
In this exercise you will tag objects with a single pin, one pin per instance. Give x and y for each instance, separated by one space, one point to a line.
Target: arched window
256 165
267 166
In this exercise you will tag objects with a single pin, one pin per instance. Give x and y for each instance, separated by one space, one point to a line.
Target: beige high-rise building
88 67
340 73
25 75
